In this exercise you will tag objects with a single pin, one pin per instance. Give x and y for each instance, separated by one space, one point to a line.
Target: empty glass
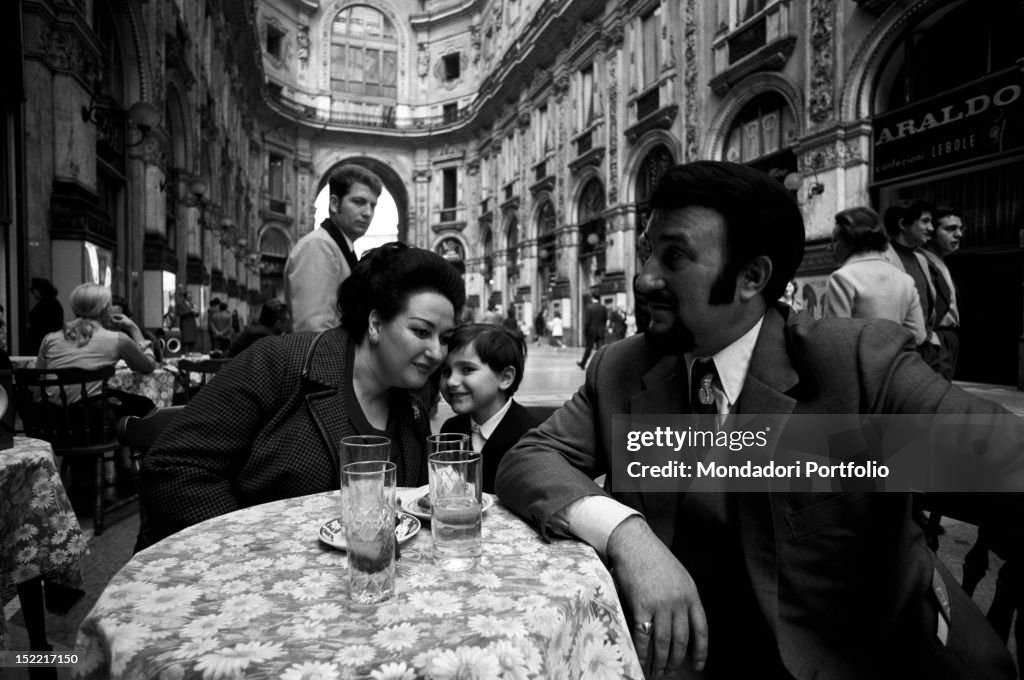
358 449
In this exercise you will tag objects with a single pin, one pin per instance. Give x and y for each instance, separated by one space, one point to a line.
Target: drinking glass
368 497
358 449
447 441
456 508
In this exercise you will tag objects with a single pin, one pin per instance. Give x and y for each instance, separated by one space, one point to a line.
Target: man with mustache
323 258
724 584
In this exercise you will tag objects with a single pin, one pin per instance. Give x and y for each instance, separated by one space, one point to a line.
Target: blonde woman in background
867 285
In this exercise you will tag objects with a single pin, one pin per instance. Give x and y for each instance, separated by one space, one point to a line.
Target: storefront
948 128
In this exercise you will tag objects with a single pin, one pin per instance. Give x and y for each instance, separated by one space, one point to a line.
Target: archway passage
392 183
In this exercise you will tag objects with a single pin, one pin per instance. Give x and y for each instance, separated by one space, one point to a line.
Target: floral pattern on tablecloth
254 594
39 533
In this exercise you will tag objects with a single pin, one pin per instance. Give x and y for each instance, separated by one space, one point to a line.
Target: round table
255 593
40 537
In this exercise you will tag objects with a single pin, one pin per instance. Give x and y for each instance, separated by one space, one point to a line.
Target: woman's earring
374 338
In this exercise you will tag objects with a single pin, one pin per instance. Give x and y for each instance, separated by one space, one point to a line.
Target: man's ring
645 627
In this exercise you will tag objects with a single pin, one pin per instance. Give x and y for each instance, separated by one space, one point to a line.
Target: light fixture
197 198
142 115
593 239
817 189
793 181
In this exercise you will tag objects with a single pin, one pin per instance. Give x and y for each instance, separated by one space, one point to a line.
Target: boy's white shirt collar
488 428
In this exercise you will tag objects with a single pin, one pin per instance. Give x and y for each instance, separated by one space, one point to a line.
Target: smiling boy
482 371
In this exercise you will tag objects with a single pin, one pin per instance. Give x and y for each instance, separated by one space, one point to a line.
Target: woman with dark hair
269 425
47 316
867 285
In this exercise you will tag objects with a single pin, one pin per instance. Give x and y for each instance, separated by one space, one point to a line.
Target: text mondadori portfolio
749 470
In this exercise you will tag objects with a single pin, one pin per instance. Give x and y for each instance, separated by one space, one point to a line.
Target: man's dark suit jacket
838 584
261 431
595 318
517 422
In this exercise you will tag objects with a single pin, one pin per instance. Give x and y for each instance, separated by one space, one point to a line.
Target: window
450 113
764 127
452 65
449 193
745 9
542 134
275 38
651 46
276 176
364 53
588 98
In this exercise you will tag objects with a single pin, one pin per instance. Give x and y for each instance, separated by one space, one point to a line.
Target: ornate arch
177 121
858 83
644 146
582 180
740 96
323 29
543 198
273 230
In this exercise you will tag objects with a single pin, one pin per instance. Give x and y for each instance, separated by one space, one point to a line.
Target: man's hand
658 589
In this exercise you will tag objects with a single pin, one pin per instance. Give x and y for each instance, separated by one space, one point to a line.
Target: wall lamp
196 198
142 115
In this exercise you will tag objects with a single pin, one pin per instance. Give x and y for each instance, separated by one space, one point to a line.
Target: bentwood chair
139 434
205 368
52 408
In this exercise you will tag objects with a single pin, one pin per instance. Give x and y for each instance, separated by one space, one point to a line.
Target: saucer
333 533
410 499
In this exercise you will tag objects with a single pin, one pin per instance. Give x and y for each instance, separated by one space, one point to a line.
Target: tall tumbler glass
456 508
360 448
368 496
447 441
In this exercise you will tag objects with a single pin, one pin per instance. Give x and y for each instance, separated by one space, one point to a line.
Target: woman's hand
126 325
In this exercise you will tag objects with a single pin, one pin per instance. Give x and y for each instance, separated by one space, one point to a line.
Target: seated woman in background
268 426
97 338
867 285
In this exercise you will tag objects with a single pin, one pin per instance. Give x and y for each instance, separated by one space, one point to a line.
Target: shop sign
969 124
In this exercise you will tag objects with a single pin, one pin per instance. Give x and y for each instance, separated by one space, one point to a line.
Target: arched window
761 134
364 54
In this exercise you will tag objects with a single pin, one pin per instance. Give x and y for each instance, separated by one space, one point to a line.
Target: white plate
333 533
410 501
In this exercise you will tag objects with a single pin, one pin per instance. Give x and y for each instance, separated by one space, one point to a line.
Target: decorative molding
660 119
822 96
453 227
613 126
769 57
592 157
64 49
421 176
690 79
613 36
560 85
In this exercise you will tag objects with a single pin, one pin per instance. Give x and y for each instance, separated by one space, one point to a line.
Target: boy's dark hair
496 346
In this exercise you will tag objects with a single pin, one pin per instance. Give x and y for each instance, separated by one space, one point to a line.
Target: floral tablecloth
255 594
158 386
39 533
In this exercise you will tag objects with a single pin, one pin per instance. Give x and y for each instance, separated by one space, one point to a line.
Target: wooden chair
206 368
138 434
75 427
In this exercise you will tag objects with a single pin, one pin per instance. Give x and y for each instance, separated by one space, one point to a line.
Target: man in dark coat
595 316
782 584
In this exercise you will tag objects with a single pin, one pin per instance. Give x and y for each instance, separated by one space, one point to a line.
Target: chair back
68 407
542 413
206 368
138 434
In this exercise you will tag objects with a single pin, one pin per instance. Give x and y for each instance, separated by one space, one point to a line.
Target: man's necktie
702 396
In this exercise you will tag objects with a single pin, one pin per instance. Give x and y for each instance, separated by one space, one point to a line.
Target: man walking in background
910 227
945 240
595 316
323 258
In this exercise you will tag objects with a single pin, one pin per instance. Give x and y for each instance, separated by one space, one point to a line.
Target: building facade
521 139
